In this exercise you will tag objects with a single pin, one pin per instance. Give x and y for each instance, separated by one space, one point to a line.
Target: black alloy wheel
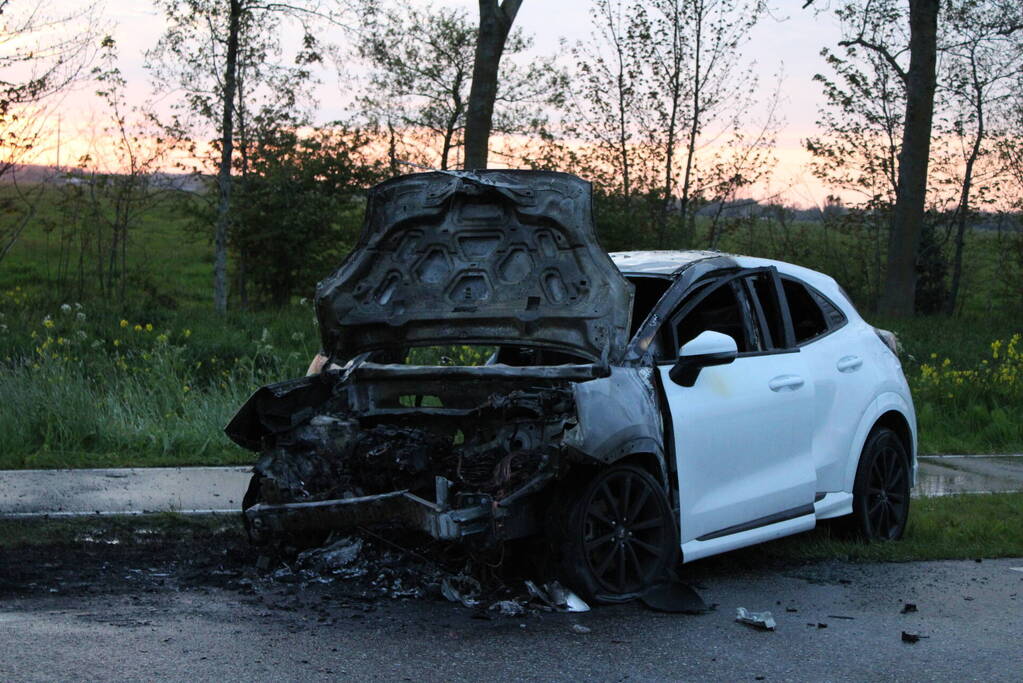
620 536
881 489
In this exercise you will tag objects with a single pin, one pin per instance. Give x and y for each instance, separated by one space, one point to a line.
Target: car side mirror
709 348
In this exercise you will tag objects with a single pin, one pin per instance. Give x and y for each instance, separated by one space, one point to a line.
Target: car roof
658 262
672 263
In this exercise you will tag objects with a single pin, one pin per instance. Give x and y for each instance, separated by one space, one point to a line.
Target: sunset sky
788 39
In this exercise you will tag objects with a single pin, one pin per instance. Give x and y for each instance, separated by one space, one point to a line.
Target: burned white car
633 409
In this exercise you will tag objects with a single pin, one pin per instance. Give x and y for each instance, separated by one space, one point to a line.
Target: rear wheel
618 535
881 489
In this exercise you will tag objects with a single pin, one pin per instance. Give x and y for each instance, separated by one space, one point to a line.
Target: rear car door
743 432
844 377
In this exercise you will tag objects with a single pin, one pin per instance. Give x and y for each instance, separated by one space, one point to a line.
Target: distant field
88 380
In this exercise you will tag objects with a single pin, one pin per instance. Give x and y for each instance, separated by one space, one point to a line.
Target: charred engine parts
452 472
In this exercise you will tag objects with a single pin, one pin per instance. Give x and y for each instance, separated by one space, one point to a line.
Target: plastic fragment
579 628
759 620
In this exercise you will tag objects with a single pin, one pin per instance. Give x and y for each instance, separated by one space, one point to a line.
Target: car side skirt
697 549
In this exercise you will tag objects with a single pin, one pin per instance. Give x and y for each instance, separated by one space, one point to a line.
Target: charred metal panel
478 257
278 408
618 416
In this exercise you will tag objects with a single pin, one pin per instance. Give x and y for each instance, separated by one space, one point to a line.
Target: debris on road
911 637
508 608
557 597
674 597
579 628
338 555
908 608
461 588
763 621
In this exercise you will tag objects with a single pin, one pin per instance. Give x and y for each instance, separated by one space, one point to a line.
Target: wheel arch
888 410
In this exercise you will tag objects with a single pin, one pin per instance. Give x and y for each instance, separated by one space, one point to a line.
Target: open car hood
481 257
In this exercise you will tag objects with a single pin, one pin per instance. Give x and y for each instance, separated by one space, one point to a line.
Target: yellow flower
124 323
137 328
186 389
47 323
187 333
117 342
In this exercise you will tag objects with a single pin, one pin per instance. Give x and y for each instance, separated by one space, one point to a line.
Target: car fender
618 416
886 402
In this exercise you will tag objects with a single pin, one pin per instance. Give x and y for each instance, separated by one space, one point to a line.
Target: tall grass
84 392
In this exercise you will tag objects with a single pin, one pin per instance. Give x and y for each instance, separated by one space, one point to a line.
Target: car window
762 285
719 310
808 319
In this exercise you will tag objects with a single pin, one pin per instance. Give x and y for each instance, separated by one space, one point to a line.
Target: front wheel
881 489
618 535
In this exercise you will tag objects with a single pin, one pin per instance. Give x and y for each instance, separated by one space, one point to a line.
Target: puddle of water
940 477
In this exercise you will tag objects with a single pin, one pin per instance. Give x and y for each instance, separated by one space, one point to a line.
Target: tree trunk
908 215
495 23
685 211
226 152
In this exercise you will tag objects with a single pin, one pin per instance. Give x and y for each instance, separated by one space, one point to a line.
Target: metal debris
338 555
557 597
461 588
763 621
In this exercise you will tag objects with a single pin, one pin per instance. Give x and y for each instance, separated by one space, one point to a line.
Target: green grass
89 393
945 528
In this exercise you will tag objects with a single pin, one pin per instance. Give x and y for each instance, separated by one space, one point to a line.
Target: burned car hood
482 257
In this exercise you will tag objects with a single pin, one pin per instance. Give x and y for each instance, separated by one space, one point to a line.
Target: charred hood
482 257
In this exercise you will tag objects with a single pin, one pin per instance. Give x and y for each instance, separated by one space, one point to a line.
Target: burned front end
503 261
455 452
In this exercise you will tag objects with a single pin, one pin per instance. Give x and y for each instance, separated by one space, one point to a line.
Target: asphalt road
971 614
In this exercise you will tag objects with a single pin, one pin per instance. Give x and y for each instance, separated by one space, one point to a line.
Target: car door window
812 315
716 307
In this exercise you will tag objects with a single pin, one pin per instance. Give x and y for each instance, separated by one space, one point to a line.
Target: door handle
786 383
849 363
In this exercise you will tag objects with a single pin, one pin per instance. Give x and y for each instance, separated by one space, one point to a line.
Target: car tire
614 533
881 488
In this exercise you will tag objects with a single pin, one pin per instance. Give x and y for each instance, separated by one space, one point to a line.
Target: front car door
743 433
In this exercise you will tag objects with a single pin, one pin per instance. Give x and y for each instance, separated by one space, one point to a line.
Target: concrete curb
219 490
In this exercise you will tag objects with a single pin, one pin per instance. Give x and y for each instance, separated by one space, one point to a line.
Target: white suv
493 374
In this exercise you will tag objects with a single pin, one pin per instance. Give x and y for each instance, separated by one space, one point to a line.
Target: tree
298 211
225 55
42 54
869 24
417 91
495 24
657 81
982 65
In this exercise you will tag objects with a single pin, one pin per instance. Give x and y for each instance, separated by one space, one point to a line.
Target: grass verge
961 527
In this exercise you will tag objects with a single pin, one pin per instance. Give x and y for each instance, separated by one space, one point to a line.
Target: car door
743 432
844 378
